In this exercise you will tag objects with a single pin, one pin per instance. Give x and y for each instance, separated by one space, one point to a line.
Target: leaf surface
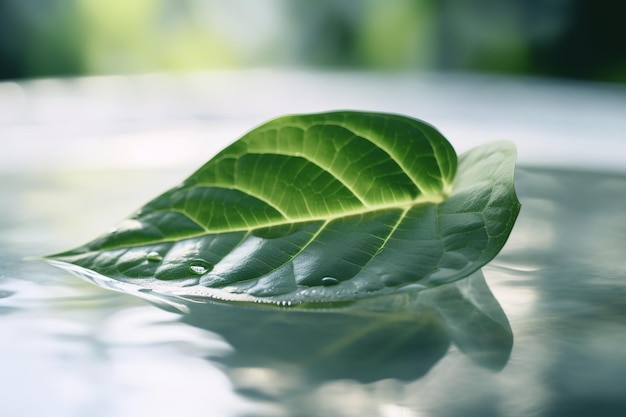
318 208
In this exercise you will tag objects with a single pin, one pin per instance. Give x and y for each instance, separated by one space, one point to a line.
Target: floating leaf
318 208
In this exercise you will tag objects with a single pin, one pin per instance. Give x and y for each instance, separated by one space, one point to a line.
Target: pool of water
541 332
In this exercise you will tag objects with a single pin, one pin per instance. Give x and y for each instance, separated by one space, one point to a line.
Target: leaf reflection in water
400 336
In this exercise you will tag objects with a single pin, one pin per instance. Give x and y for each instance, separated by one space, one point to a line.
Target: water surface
544 336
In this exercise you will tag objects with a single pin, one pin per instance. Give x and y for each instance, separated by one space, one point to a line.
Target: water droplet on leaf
328 281
200 267
197 269
413 287
154 256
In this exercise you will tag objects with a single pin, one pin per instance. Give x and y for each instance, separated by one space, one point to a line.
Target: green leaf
318 208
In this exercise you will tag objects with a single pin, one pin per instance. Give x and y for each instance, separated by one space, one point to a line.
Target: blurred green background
580 39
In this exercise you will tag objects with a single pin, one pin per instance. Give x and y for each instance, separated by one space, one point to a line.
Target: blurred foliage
581 39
